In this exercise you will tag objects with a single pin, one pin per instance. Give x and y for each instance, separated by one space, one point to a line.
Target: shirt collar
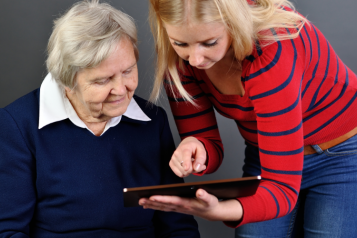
55 106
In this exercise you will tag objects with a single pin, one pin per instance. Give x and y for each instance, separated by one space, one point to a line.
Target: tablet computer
222 189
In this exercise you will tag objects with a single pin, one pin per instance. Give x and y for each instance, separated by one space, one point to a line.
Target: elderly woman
69 148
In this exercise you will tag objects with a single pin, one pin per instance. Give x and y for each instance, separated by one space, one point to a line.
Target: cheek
96 95
133 83
222 50
219 53
180 52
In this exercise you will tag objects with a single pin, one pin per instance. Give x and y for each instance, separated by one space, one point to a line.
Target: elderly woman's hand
204 205
189 157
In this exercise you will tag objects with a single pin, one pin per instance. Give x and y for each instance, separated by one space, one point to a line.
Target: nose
195 57
118 87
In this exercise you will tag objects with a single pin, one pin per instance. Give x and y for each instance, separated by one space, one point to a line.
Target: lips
116 101
204 66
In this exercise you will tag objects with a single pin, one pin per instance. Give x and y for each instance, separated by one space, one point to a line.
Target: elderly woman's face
105 91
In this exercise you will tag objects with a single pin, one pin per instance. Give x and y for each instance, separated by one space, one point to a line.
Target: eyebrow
97 79
212 38
132 66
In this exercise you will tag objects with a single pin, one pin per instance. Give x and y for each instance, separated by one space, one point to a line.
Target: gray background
25 27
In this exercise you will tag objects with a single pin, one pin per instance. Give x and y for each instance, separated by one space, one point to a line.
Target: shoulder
26 106
20 118
272 51
277 56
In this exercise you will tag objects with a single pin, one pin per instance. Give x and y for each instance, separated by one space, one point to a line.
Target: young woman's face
201 44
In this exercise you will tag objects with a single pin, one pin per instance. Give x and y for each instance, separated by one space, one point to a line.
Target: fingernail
197 167
199 193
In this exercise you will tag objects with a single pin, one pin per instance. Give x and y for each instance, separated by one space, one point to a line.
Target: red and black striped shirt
297 92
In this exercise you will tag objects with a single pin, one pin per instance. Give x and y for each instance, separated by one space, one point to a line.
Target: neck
95 124
228 63
96 127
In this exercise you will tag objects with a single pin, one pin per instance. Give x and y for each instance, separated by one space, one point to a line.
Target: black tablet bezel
222 189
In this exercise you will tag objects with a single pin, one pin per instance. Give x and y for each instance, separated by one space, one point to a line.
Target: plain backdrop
25 27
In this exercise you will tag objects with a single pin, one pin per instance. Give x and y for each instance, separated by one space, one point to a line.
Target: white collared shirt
55 106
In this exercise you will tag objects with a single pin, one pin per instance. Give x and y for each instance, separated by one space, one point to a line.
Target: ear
68 90
70 93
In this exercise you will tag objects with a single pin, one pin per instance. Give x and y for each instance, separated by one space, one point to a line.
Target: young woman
265 66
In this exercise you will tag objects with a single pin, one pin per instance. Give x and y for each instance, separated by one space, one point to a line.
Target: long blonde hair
247 22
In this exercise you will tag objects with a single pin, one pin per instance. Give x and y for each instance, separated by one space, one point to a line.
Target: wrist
229 210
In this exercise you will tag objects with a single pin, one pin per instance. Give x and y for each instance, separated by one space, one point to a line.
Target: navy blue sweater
62 181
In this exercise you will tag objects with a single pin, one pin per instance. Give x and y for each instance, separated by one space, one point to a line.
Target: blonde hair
85 36
247 22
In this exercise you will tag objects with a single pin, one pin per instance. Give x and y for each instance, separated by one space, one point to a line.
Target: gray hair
85 36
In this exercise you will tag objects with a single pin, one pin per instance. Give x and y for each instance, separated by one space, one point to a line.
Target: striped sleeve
273 84
197 121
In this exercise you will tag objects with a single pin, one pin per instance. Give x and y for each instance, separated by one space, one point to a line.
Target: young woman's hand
189 157
204 205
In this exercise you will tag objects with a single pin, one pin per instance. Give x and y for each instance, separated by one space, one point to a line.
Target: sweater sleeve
273 84
17 192
171 224
197 120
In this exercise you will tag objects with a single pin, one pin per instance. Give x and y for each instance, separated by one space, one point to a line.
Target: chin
116 113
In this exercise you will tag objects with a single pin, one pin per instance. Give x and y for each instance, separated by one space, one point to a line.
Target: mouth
203 65
117 101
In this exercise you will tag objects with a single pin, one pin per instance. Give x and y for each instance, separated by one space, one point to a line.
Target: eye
129 70
102 81
210 44
126 72
179 44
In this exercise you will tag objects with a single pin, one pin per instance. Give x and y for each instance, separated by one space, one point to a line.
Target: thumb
203 195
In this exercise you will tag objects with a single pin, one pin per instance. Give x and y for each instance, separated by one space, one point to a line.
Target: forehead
122 55
195 32
122 52
122 58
